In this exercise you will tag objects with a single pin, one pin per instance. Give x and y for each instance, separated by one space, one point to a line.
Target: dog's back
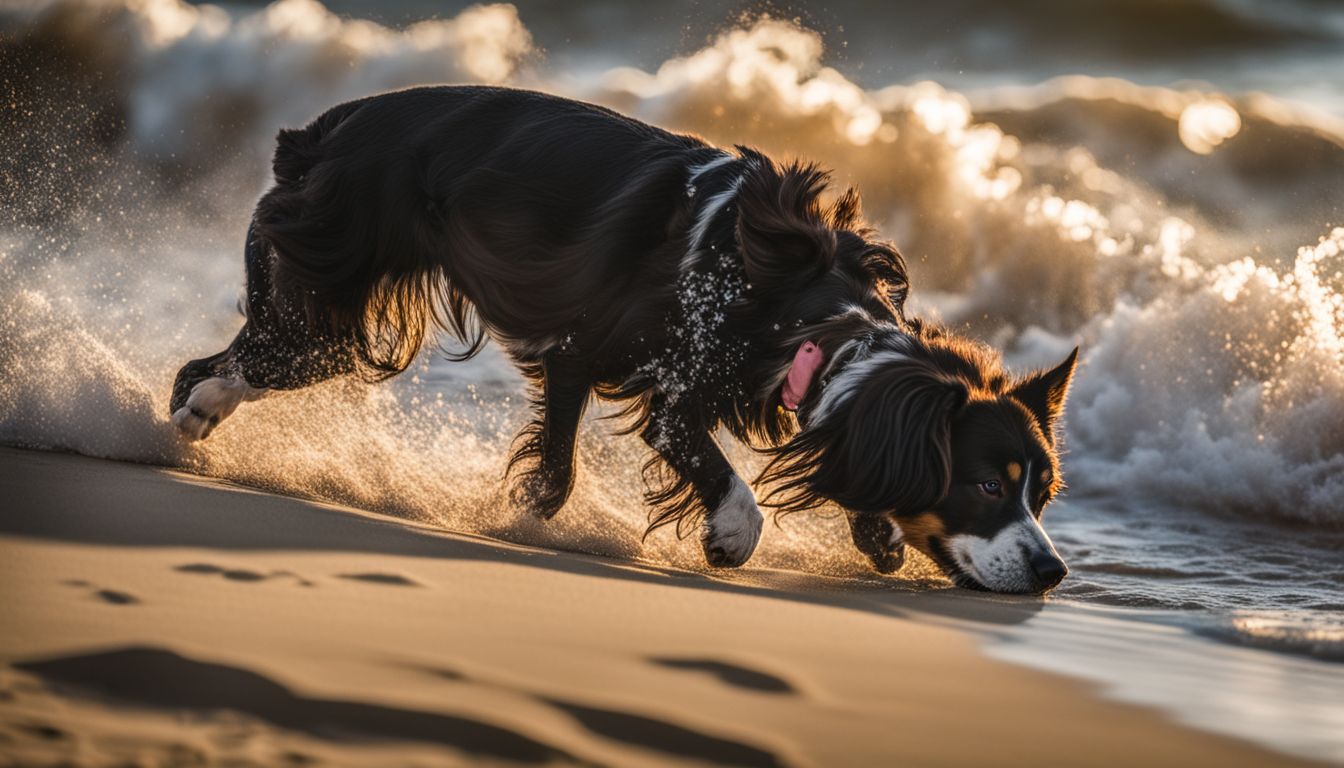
431 204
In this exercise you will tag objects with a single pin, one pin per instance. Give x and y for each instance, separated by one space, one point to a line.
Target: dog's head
985 531
900 420
929 431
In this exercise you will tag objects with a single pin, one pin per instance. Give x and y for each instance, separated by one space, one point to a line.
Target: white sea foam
194 73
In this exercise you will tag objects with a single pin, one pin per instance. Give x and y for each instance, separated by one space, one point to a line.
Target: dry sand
153 616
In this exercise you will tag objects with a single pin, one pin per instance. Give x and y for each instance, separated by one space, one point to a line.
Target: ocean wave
1211 375
189 88
1201 150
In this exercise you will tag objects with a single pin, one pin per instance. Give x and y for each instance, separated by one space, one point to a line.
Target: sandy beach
156 617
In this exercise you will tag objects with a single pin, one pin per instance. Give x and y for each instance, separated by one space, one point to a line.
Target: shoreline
139 591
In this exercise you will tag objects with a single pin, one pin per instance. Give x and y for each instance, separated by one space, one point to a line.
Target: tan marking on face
919 529
1045 477
1014 471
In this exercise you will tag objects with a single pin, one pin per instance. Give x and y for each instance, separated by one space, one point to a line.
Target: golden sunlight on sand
161 618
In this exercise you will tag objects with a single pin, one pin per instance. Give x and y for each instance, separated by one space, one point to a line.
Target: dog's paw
732 530
540 493
879 540
211 401
889 560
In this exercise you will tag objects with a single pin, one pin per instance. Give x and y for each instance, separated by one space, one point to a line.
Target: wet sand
156 616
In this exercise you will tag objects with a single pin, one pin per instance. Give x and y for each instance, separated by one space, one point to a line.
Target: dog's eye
992 488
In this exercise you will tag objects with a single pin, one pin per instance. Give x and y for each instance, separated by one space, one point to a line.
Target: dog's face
931 433
985 532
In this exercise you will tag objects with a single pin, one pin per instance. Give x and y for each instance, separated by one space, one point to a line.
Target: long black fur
558 227
607 256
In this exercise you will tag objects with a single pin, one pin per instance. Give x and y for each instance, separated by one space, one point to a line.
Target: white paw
211 401
731 532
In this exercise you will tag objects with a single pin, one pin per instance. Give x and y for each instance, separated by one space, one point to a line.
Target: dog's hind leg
543 489
276 349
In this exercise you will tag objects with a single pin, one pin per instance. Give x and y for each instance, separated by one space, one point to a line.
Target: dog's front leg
879 540
732 520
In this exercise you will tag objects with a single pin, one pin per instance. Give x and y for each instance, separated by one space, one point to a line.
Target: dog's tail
354 238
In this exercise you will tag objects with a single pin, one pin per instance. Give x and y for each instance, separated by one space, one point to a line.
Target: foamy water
1188 238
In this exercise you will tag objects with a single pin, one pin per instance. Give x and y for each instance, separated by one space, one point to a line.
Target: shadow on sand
161 678
156 677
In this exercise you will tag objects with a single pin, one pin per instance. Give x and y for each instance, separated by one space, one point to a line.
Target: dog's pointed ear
783 232
1044 393
886 268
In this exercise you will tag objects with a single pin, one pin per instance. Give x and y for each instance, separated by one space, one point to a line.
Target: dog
700 287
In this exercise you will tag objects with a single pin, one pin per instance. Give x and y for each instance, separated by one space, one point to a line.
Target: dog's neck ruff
851 365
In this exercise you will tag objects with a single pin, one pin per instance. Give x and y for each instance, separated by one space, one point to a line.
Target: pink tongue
805 365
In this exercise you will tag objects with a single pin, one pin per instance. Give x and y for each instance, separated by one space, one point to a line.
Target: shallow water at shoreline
1162 659
1270 586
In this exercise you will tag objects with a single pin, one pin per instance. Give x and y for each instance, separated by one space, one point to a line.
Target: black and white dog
704 288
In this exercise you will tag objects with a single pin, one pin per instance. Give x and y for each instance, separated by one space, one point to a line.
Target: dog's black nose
1049 569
